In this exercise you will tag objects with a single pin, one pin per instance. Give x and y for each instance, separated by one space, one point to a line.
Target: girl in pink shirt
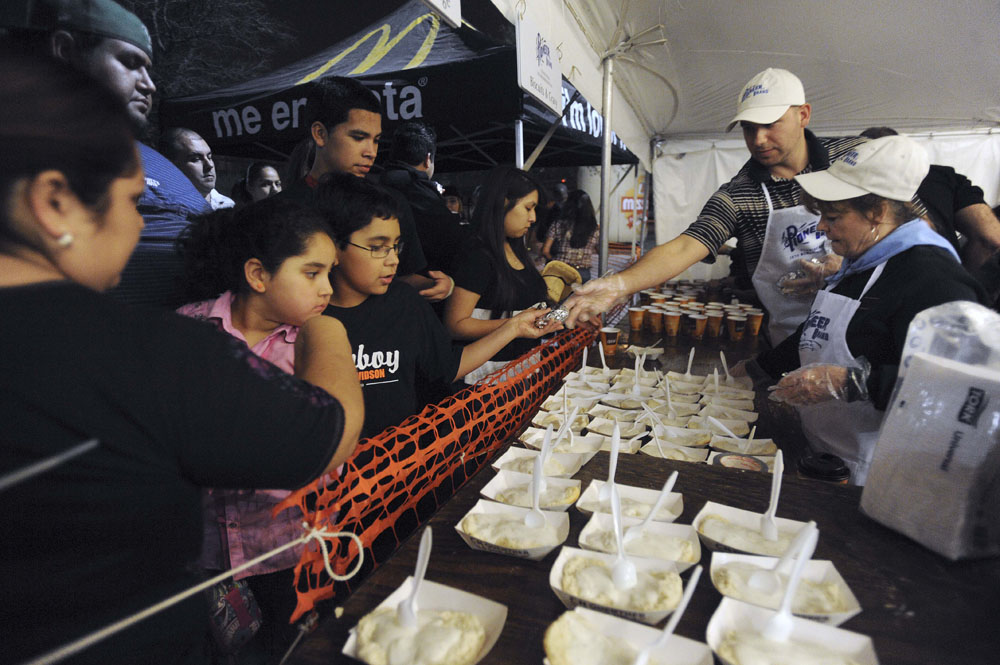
265 270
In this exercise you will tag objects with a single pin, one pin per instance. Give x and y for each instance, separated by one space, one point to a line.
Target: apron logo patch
794 236
818 324
973 407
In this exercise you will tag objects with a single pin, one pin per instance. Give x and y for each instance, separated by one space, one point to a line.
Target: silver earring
65 240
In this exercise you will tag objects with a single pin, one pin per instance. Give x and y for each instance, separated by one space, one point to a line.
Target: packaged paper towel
935 475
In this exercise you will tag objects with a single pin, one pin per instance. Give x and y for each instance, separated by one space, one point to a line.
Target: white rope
320 535
21 475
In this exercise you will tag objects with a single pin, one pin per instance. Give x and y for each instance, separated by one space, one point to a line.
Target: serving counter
918 608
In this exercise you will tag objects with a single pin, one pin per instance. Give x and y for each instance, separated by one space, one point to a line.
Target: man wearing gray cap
760 207
112 44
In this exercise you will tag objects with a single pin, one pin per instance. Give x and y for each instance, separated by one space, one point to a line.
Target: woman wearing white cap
840 366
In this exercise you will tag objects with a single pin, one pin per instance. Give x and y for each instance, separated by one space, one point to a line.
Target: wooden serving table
918 607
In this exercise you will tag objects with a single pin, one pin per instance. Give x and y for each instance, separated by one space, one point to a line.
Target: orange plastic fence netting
396 480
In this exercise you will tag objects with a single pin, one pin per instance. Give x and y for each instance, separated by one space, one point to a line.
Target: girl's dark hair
503 188
867 206
53 116
580 210
349 203
216 246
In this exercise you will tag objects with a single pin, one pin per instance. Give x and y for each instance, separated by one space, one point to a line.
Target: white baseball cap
767 96
892 167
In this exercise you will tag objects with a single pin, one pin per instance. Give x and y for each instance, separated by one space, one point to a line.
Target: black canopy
421 68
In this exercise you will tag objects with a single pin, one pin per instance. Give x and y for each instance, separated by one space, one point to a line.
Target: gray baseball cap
99 17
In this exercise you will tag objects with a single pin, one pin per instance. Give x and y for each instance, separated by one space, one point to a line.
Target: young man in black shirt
346 130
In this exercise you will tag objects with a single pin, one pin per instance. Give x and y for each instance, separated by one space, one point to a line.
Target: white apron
489 366
846 429
790 235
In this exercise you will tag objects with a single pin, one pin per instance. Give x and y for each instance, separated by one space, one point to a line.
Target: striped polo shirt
738 208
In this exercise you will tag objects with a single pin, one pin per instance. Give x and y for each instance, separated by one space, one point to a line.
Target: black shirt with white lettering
396 337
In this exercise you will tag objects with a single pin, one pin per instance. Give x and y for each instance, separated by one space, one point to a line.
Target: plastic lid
824 466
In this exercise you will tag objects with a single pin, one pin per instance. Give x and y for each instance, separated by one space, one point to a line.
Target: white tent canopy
921 66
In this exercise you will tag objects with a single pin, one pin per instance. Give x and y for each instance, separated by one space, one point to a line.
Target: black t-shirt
395 337
912 281
441 236
412 259
476 271
944 192
176 406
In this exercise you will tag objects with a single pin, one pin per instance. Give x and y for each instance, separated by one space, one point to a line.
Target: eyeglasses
381 251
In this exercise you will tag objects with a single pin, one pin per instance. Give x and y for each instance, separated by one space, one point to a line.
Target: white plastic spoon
406 611
715 376
767 581
671 411
635 530
768 527
567 424
616 442
780 625
546 443
652 414
535 519
746 444
687 374
659 448
623 572
604 363
715 421
583 365
725 368
642 658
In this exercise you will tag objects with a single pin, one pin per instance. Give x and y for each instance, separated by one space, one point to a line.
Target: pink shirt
239 521
278 347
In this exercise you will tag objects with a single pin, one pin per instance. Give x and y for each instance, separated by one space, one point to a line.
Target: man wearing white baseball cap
839 367
760 207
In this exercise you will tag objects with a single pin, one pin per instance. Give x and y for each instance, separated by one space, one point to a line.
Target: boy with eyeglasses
395 335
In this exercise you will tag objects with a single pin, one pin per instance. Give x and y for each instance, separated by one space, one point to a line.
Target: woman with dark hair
173 405
495 277
573 238
261 181
839 368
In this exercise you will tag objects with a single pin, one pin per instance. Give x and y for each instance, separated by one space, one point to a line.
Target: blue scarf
913 233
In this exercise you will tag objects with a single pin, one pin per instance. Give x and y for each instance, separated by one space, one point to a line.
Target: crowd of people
325 307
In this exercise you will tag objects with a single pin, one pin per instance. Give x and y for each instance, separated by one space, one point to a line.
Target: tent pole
519 143
635 210
548 135
605 167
